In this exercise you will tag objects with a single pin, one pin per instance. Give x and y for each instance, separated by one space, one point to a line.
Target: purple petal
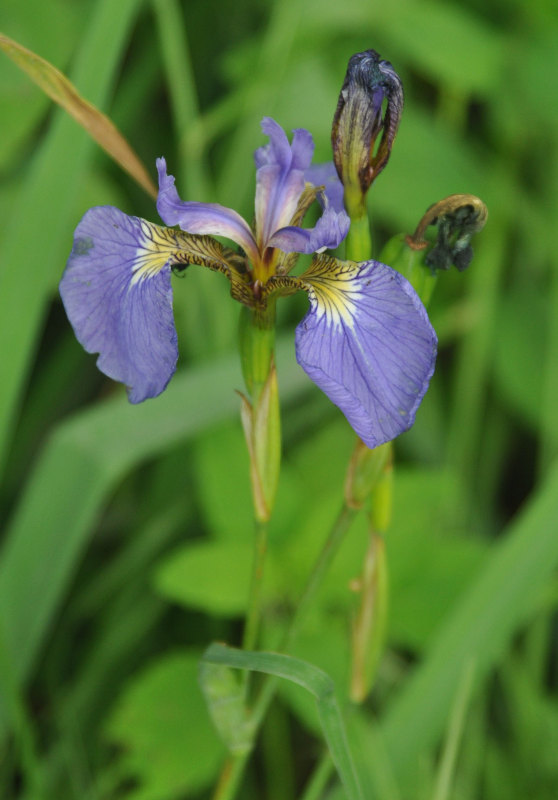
297 155
368 344
329 232
280 178
302 148
326 175
117 294
278 151
210 218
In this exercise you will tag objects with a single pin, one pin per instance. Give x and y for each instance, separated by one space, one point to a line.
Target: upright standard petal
280 178
326 175
117 294
200 218
368 344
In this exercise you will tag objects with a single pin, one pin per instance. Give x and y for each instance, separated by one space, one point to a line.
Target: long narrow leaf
81 463
498 602
448 760
63 92
315 681
44 210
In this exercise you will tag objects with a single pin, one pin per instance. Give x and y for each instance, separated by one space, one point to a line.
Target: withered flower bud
457 218
361 116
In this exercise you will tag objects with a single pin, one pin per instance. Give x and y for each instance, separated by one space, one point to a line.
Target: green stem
255 597
257 345
329 550
230 777
319 778
358 244
260 418
328 553
233 770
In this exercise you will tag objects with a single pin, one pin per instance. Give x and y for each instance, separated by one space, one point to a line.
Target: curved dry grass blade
63 92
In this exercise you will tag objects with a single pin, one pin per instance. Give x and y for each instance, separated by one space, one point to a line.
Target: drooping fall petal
117 294
368 344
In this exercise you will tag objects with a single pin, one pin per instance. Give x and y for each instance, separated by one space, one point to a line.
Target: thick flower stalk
366 340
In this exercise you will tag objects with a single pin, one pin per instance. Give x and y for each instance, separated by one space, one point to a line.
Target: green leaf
223 491
447 44
431 556
329 651
83 460
316 682
427 164
225 697
63 92
522 328
21 106
532 736
161 722
480 625
211 576
48 196
448 759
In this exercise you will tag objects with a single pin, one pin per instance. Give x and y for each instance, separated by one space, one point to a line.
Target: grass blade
84 458
56 172
194 177
63 92
312 679
499 601
455 731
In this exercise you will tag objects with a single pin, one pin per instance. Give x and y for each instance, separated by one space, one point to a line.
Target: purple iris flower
366 340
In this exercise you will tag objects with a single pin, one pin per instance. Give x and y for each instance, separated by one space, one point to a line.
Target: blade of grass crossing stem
446 769
57 86
499 600
316 682
316 786
84 458
48 198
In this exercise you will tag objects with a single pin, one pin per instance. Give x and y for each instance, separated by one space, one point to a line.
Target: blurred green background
127 530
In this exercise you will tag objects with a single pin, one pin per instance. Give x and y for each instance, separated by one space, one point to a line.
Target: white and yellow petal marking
335 288
157 247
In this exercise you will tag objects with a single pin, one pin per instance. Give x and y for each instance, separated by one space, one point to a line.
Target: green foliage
21 104
313 680
522 327
431 554
162 724
211 576
128 530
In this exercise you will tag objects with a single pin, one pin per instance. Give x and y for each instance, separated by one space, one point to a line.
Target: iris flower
366 340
